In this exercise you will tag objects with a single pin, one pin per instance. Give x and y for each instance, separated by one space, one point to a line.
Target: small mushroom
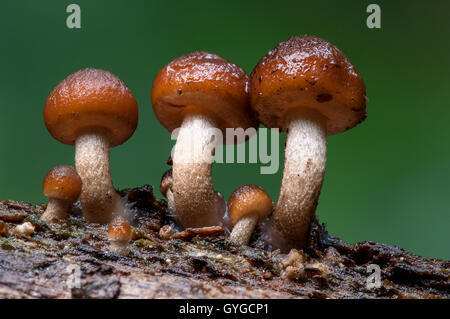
119 235
62 186
93 110
166 232
25 228
247 205
308 88
165 187
198 94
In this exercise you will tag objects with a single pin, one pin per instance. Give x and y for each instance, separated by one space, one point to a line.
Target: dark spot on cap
325 97
180 91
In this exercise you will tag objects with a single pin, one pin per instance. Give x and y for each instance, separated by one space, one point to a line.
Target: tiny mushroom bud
200 94
93 110
246 206
166 232
308 88
26 228
165 187
62 186
119 235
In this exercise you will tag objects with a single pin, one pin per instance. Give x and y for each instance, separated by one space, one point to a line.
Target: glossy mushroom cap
307 72
91 99
166 182
63 183
249 200
119 230
202 83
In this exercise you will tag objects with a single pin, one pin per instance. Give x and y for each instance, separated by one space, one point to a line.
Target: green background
386 180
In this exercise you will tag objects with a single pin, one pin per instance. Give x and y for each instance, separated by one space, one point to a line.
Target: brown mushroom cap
166 182
119 230
307 72
62 182
87 99
247 200
202 83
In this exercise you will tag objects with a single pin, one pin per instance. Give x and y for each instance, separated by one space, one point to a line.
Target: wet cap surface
247 200
307 72
202 83
91 99
62 182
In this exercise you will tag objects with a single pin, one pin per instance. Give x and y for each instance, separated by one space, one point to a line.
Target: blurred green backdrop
387 179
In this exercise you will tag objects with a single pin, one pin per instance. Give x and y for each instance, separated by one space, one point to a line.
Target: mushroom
166 232
26 228
247 205
62 186
119 235
199 94
165 187
93 110
306 87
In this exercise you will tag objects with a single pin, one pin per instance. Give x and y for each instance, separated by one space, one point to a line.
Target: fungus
119 235
199 94
165 187
26 228
62 186
166 232
308 88
93 110
246 206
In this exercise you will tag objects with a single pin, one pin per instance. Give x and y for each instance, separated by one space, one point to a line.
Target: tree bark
70 259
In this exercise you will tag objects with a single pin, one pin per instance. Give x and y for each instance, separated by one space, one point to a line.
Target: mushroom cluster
305 86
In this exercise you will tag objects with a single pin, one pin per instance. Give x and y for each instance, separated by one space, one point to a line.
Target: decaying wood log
70 259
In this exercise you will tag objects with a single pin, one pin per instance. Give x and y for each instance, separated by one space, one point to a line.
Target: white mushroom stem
196 202
98 198
56 208
242 231
119 247
304 169
170 201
